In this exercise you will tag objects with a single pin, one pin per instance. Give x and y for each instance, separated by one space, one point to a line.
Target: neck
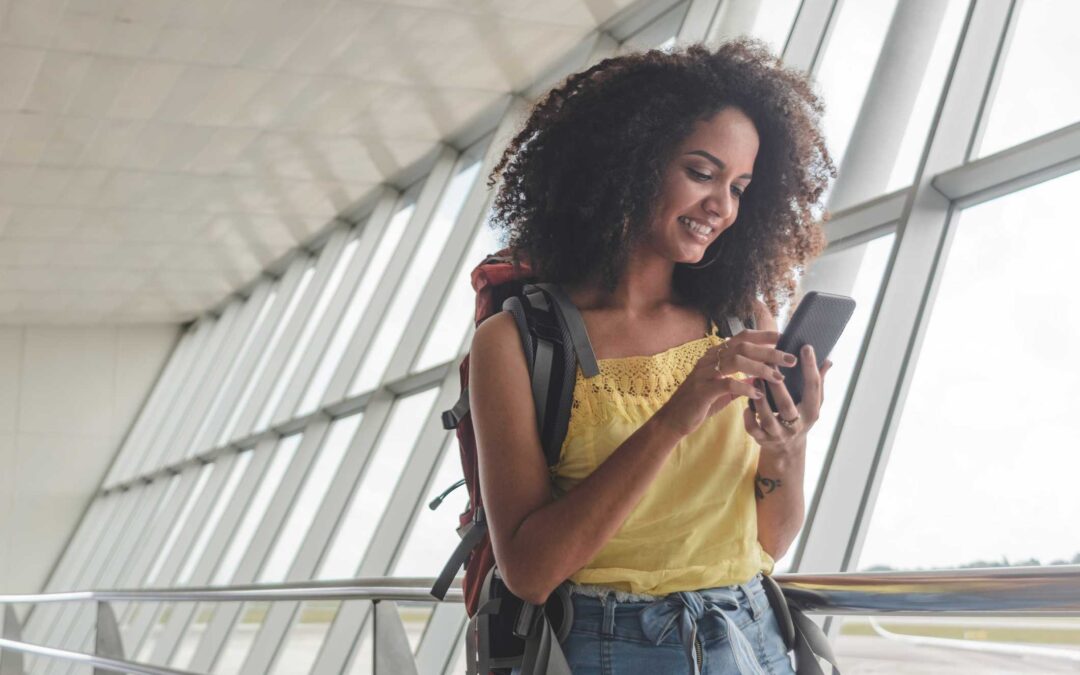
645 287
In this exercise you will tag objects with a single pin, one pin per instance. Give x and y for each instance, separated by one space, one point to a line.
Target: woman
660 190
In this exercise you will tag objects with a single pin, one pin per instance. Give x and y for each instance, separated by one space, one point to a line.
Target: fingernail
790 359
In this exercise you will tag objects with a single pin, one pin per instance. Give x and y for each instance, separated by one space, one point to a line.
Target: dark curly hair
580 180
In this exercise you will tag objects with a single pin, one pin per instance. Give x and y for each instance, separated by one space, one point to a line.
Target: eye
737 191
697 175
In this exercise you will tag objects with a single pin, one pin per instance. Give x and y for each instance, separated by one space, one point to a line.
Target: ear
763 318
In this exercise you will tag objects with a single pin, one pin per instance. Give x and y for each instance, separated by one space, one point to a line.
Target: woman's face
701 186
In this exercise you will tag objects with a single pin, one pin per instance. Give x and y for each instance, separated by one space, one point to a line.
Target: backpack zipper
697 649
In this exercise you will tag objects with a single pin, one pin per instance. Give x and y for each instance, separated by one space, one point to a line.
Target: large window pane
377 484
199 441
283 456
424 259
857 272
178 524
283 378
324 372
433 536
459 308
1036 90
307 502
240 467
256 375
922 113
972 478
847 66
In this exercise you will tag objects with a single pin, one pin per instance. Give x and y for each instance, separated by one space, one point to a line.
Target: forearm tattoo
765 486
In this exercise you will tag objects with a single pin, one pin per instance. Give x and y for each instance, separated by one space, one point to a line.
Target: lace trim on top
629 386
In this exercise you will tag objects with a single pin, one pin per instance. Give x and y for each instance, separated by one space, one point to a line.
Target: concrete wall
68 395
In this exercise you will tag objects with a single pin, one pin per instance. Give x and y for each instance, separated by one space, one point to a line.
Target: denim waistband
681 611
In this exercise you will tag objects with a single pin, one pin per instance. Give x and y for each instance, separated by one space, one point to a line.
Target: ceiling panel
155 155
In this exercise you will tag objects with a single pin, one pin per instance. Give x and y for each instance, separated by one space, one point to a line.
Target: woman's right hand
706 391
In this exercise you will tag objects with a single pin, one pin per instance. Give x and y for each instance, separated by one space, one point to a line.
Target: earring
716 256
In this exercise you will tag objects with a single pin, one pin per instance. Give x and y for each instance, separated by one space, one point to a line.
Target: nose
721 207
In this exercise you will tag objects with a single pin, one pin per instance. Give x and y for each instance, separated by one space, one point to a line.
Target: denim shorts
730 629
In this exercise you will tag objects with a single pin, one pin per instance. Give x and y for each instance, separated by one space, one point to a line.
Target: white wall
68 395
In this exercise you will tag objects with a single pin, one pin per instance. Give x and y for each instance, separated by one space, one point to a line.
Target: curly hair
580 180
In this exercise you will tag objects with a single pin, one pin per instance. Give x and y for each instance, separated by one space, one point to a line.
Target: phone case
819 320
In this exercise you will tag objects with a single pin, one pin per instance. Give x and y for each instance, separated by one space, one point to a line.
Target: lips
700 231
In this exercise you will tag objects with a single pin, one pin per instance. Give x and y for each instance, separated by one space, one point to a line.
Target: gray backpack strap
575 326
542 362
811 642
543 654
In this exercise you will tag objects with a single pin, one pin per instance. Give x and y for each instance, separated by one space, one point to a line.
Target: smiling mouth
700 231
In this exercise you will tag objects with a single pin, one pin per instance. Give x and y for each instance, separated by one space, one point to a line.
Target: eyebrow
717 162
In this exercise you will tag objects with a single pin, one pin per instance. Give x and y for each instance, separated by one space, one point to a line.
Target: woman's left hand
766 428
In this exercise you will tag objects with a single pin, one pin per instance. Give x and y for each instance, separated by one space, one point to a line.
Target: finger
811 382
824 372
735 388
769 355
758 336
784 405
752 427
766 418
742 364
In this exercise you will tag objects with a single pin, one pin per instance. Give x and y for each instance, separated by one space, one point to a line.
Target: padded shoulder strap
575 327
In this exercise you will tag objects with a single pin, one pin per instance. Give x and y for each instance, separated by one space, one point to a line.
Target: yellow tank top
696 525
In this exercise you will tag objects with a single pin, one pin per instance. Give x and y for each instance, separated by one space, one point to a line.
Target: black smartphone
819 320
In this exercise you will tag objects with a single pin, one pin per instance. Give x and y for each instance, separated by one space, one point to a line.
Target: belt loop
756 608
609 613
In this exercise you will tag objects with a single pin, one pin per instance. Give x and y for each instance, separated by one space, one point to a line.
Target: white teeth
695 227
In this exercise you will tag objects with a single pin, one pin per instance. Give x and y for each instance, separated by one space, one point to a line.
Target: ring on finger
789 424
720 353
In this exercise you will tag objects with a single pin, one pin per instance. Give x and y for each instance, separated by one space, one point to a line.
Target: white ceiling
155 155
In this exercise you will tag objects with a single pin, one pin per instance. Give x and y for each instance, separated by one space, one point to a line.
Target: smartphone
819 320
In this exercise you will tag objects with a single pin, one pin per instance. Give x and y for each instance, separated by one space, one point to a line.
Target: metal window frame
840 512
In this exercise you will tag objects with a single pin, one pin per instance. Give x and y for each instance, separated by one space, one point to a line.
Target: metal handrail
1005 591
373 588
1012 591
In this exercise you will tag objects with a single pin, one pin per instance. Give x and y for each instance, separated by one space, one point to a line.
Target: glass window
313 321
376 485
343 333
236 648
970 477
256 375
1033 95
458 311
425 258
305 637
178 525
240 466
922 114
433 536
772 21
856 272
283 456
847 66
307 502
965 446
197 444
658 33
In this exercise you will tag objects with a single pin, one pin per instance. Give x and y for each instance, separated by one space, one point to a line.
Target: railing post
391 653
107 642
11 662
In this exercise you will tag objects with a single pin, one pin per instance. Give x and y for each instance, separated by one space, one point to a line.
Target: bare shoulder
763 318
495 332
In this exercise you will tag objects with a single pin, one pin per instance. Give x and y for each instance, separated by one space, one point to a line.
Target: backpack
504 631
